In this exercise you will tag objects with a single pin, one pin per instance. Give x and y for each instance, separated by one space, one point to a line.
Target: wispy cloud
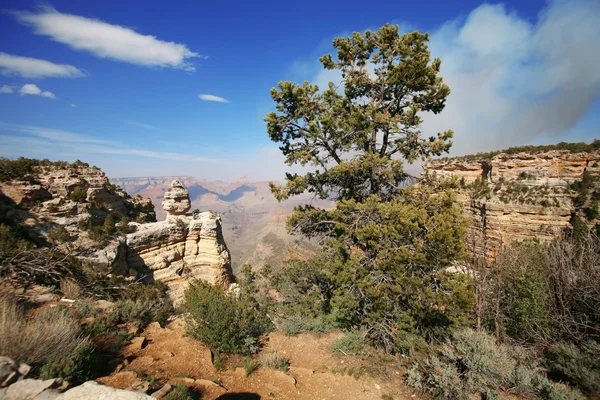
73 105
11 65
68 142
211 97
140 124
7 89
31 89
105 40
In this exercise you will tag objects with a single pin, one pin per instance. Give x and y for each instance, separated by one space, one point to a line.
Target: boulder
93 391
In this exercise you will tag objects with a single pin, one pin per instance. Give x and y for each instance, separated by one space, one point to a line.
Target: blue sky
131 86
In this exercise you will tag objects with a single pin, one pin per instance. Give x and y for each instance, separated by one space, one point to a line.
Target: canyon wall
515 196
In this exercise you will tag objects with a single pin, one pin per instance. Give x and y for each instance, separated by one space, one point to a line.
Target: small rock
162 392
103 304
377 387
92 391
205 383
140 386
185 381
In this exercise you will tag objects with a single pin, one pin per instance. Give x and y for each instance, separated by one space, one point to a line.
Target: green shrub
182 392
579 367
293 324
141 304
75 368
79 194
59 234
222 321
351 343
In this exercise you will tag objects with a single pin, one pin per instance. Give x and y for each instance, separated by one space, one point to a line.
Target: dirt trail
315 373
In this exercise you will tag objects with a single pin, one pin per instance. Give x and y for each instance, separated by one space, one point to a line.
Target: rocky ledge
524 195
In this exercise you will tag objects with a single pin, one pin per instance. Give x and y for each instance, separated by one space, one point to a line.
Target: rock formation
182 248
517 196
177 199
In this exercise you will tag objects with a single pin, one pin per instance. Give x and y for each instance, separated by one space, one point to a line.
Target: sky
181 88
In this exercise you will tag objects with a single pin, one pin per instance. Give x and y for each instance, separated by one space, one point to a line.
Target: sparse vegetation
273 360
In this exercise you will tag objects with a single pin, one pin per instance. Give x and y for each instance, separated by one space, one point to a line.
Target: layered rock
177 199
180 250
515 196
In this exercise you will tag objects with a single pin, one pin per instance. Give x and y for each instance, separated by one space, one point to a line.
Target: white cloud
7 89
106 40
73 105
27 67
210 97
513 81
140 125
57 141
30 88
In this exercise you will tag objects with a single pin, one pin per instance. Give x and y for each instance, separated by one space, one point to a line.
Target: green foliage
578 366
524 292
59 234
544 292
182 392
250 365
579 147
79 194
350 132
19 169
140 305
75 368
351 343
222 321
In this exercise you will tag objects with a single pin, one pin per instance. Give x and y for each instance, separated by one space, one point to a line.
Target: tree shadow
239 396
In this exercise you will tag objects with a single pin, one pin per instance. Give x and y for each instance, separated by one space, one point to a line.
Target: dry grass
271 359
50 333
70 289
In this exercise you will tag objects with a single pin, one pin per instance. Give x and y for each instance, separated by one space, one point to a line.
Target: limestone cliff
516 195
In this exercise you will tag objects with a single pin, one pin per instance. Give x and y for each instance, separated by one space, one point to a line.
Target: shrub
79 194
579 367
182 392
222 321
351 343
59 234
271 359
141 304
51 342
293 324
473 363
250 366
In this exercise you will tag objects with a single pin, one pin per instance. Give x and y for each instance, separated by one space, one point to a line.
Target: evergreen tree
386 247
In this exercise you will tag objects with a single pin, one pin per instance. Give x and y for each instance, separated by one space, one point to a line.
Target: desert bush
546 292
70 289
222 321
141 304
472 362
59 234
51 341
352 342
273 360
250 365
182 392
79 194
293 324
578 366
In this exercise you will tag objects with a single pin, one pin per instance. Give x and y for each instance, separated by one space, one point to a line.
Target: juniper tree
386 247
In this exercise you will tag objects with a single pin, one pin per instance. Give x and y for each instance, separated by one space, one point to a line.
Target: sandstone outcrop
177 199
181 249
517 196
